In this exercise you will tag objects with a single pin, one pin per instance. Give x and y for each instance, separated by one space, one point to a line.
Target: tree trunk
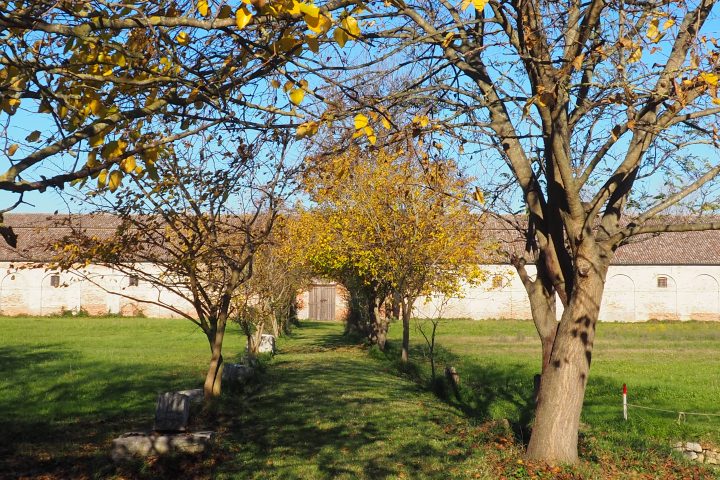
406 309
562 386
544 315
213 379
396 302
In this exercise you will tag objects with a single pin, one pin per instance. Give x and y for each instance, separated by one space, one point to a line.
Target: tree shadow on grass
59 412
340 418
490 391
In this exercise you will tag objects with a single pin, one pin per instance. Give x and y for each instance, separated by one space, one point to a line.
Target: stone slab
172 412
195 395
143 444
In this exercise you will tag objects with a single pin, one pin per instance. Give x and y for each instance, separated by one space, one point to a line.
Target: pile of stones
695 451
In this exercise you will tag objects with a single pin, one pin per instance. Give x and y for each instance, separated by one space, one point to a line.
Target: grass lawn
326 408
669 366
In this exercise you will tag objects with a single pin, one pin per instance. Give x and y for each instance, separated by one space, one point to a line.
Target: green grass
327 408
670 365
69 385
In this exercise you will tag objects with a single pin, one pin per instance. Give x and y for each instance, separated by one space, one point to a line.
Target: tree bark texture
562 385
213 380
406 311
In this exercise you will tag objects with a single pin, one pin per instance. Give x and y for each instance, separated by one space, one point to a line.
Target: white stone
712 460
690 455
700 458
693 447
267 343
142 444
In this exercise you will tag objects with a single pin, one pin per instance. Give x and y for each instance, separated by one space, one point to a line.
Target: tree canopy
397 224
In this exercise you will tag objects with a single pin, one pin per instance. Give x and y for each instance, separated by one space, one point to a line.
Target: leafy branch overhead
98 77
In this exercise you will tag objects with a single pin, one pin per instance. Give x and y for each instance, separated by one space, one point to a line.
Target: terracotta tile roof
682 248
685 248
37 232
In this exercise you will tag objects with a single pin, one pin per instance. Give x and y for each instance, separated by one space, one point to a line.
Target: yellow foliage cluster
387 219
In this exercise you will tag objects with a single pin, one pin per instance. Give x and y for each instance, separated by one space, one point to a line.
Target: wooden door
322 302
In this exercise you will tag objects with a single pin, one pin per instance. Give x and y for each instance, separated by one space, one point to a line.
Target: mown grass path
328 410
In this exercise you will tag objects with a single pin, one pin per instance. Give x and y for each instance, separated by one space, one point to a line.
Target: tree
269 299
393 225
192 233
108 81
602 114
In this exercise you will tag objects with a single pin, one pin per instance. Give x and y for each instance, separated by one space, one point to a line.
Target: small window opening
662 282
55 281
497 281
134 281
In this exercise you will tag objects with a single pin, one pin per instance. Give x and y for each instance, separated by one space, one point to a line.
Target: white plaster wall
26 290
631 294
692 293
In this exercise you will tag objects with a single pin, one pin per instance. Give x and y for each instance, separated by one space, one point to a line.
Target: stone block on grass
267 344
134 445
172 412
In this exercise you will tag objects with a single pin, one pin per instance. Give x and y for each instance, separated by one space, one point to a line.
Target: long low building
674 276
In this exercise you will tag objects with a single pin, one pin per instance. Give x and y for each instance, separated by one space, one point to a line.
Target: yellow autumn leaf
102 179
92 159
350 25
340 36
307 129
668 23
361 121
309 10
479 196
33 137
128 164
716 101
421 120
115 180
242 17
372 138
203 7
97 140
296 95
182 38
319 24
113 149
653 32
12 149
709 78
479 5
96 106
636 55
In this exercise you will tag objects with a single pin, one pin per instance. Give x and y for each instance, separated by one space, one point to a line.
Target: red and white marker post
625 402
